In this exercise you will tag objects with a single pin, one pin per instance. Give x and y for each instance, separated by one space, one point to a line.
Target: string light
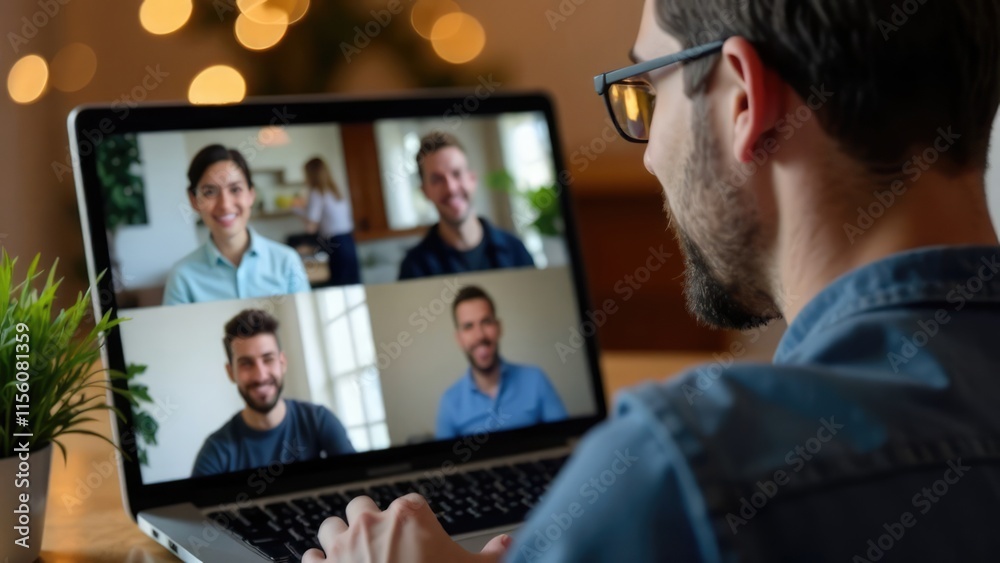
73 67
27 79
458 37
219 84
161 17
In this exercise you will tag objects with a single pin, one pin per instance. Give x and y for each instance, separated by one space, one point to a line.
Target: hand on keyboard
407 530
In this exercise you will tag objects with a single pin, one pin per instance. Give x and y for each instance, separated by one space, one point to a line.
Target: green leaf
65 386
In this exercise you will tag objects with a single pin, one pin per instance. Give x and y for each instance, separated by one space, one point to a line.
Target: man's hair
247 324
433 142
209 156
468 293
899 70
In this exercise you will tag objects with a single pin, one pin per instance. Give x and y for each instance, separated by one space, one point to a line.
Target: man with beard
493 394
822 161
270 428
461 241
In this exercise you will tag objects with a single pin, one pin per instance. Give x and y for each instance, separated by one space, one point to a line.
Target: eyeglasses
630 100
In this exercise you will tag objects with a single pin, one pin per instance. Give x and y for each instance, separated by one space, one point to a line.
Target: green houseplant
542 203
49 388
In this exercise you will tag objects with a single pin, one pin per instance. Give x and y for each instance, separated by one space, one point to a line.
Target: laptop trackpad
476 542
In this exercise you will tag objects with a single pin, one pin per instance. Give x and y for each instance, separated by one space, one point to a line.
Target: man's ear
229 372
756 96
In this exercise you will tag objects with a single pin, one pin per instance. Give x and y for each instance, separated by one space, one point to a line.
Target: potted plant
535 209
543 202
50 384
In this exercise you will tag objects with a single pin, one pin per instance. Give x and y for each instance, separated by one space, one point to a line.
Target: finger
329 530
359 506
415 508
498 545
412 503
332 527
313 556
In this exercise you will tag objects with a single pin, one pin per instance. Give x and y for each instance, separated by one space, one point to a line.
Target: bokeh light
73 67
273 11
458 37
27 79
273 136
219 84
426 13
258 36
161 17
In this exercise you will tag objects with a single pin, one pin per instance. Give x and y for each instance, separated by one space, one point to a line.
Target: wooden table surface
85 520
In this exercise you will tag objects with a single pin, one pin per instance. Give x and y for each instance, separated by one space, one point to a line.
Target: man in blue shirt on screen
822 161
492 394
269 429
461 241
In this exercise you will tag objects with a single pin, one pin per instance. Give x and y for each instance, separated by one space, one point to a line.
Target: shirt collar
470 381
935 274
490 237
216 258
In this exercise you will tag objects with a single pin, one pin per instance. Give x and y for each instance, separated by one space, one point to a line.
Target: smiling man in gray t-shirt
269 429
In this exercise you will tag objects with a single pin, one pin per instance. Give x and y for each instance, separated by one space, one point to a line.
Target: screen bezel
87 122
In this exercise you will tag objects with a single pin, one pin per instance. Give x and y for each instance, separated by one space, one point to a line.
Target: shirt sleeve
298 280
210 460
314 207
409 269
624 495
332 436
174 293
521 255
552 406
443 429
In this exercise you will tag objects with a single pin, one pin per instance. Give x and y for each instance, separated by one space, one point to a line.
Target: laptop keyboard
463 502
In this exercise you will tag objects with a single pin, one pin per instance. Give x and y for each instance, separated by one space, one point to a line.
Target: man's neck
263 422
819 243
488 382
463 236
234 247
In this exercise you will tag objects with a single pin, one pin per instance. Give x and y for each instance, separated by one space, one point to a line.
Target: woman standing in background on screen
235 262
329 214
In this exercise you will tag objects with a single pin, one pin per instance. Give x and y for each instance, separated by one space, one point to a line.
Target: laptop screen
304 291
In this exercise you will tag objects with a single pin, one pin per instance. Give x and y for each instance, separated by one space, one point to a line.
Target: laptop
236 448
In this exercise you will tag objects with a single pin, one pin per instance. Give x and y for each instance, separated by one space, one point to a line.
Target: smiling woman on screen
235 262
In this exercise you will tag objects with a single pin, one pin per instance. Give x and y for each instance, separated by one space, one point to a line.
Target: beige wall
535 308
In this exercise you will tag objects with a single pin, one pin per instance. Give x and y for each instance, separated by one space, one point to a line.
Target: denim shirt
873 436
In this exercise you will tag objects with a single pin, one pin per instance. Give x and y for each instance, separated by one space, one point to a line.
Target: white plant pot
21 523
